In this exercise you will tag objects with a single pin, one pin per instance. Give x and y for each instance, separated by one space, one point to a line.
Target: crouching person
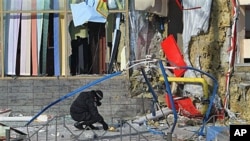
84 110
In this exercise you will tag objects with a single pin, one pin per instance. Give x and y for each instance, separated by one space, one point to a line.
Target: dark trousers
86 116
80 59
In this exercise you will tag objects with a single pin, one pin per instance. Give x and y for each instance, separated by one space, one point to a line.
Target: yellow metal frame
192 80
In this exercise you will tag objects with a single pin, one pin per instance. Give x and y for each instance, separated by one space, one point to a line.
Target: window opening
247 22
87 55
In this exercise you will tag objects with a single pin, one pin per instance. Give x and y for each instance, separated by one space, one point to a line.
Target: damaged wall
211 49
213 56
27 97
208 52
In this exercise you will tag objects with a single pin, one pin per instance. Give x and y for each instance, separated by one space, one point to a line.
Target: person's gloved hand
105 125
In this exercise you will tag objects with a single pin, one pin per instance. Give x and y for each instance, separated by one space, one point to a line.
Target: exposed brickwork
29 96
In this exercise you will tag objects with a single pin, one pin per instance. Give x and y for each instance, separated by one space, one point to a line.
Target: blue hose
149 86
73 93
155 98
156 132
168 90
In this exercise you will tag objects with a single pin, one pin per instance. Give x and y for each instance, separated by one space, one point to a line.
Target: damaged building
174 58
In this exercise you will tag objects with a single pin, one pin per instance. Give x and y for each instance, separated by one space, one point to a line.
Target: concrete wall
29 96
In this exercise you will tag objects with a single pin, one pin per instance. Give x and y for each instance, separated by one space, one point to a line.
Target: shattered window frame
65 52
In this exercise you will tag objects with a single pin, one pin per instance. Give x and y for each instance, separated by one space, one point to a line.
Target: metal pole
47 132
7 134
169 136
121 128
56 130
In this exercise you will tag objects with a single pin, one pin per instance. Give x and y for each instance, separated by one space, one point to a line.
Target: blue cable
149 86
153 131
155 98
73 93
168 90
156 132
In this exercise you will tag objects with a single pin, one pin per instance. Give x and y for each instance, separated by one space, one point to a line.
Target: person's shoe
93 127
79 126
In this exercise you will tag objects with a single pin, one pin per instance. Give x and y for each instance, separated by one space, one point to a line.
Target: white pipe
41 118
24 118
159 113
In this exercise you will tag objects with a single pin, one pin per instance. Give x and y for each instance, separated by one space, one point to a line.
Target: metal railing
49 131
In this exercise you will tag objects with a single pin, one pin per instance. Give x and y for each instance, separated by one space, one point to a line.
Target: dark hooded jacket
84 108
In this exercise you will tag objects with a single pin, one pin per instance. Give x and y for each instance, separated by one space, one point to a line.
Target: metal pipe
149 86
2 42
168 90
169 136
7 134
192 80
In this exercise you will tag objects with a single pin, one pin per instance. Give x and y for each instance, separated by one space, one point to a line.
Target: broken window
247 22
40 38
244 34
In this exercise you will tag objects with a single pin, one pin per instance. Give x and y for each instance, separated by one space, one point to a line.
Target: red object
173 55
221 114
178 2
184 106
169 104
